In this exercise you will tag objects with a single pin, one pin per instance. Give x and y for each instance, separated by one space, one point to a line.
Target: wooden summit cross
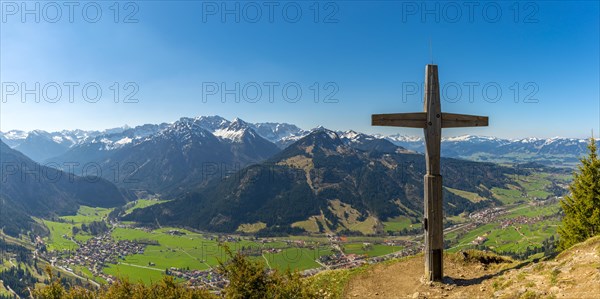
432 120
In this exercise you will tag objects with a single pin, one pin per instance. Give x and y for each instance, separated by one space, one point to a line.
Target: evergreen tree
582 206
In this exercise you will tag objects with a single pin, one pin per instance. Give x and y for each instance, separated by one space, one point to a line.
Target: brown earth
575 273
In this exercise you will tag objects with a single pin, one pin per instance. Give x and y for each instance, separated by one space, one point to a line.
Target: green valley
527 217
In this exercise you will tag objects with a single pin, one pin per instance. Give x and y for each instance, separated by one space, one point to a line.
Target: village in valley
145 254
100 251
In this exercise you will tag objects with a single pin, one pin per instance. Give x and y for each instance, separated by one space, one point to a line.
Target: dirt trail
573 274
403 280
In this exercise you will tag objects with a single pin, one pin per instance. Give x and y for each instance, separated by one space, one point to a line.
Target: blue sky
366 55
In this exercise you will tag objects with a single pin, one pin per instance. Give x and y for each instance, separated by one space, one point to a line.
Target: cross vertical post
433 214
432 120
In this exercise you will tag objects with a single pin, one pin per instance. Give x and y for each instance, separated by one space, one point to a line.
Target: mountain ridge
551 151
166 158
322 176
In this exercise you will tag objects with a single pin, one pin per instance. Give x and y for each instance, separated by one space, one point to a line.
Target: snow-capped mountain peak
236 131
212 123
329 133
239 124
350 134
15 134
281 134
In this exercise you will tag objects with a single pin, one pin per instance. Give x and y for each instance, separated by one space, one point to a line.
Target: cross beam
419 120
432 120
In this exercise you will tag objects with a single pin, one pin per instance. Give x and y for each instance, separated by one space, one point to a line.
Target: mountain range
556 151
222 175
170 158
77 145
323 181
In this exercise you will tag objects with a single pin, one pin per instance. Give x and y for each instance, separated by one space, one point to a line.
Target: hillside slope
30 189
575 273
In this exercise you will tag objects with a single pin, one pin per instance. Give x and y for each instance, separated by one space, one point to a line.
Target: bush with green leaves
249 279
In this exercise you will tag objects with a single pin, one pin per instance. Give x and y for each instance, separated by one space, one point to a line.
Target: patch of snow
124 141
402 138
331 134
234 135
15 134
350 134
459 138
470 138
